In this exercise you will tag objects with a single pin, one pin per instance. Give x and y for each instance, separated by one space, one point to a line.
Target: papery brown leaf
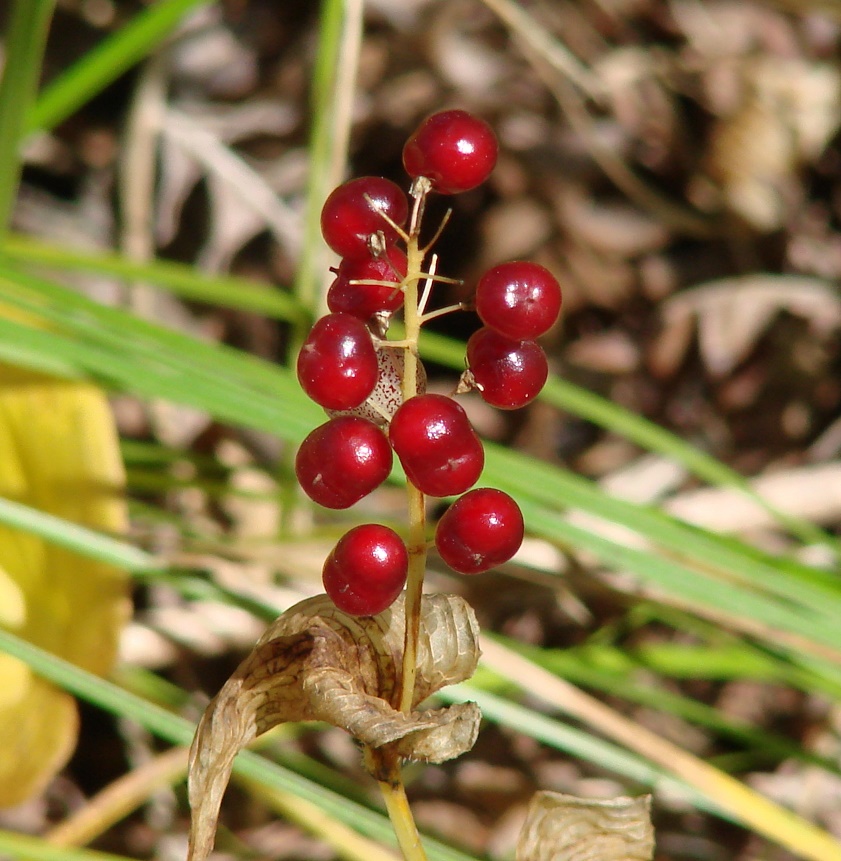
317 663
566 828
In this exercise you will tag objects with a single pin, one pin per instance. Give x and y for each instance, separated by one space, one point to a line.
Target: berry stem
416 543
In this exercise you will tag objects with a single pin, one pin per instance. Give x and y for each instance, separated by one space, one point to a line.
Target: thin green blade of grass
576 743
26 37
556 486
245 391
80 539
177 278
690 586
103 64
176 730
814 590
586 405
583 666
327 136
247 295
24 846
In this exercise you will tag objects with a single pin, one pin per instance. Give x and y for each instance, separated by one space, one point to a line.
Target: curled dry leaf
566 828
733 313
317 663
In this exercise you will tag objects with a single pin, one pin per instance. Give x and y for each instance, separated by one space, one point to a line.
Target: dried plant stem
417 527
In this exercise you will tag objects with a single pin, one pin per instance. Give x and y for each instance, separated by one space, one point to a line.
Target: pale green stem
400 814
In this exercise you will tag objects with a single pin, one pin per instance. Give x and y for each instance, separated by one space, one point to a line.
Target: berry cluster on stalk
373 390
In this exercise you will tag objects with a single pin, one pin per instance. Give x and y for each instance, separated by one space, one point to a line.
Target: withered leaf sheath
317 663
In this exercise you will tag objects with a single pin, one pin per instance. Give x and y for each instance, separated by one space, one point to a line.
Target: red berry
508 373
479 531
353 214
437 445
337 366
366 570
519 299
342 461
453 149
365 300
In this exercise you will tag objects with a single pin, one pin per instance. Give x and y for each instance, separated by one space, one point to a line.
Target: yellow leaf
58 453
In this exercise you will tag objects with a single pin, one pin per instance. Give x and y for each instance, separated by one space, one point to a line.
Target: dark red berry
366 570
507 373
337 366
436 444
353 214
342 461
479 531
453 149
519 299
365 300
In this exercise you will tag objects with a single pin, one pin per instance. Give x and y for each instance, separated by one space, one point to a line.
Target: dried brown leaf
733 313
566 828
317 663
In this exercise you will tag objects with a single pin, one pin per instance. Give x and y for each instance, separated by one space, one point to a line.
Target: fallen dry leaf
566 828
317 663
61 456
732 313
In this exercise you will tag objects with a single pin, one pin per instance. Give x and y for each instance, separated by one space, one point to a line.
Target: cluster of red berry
347 368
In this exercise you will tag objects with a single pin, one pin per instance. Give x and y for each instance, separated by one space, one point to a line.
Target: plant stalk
26 38
400 814
416 544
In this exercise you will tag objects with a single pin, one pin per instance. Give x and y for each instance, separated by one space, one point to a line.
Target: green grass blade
103 64
592 407
576 742
130 354
26 37
23 846
77 538
322 176
178 278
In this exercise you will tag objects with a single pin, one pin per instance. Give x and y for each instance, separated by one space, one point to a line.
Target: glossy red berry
479 531
342 461
453 149
436 444
353 214
507 373
365 300
337 366
366 570
519 299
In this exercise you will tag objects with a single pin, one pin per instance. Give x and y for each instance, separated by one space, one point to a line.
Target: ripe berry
453 149
508 373
479 531
365 300
366 570
519 299
353 214
437 445
342 461
337 366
